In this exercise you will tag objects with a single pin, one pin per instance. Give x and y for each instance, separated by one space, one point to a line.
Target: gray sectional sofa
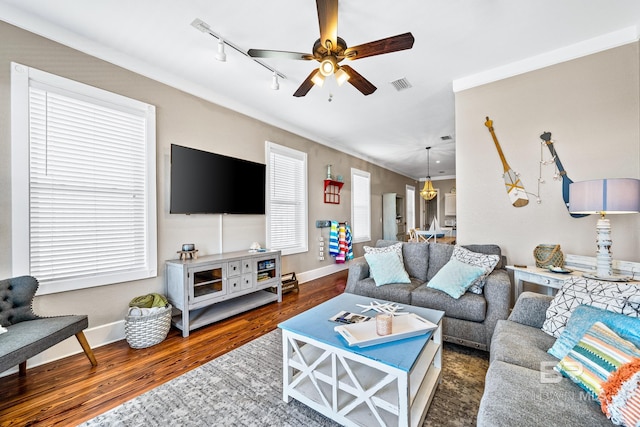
469 320
521 388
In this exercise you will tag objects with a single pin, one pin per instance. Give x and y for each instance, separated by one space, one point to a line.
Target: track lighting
221 56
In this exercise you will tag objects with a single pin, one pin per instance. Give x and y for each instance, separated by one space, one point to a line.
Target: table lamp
605 196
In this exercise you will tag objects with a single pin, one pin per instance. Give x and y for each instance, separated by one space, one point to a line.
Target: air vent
401 84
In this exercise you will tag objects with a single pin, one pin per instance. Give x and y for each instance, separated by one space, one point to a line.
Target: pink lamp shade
605 196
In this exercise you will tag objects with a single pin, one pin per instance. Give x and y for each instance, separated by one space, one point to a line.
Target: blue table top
314 323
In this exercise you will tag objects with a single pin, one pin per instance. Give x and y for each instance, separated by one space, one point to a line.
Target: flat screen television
204 182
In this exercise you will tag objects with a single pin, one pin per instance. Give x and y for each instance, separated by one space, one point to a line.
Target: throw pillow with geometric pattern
618 297
484 261
396 248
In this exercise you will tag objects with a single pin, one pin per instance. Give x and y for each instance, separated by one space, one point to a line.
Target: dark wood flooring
69 391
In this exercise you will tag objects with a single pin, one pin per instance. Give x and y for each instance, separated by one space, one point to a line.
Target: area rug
244 388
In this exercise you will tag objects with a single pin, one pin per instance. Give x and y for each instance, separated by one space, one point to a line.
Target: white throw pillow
396 248
618 297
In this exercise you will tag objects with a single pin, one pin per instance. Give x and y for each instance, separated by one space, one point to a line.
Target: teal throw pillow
386 267
583 317
455 277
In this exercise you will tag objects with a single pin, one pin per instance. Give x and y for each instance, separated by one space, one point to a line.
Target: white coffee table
389 384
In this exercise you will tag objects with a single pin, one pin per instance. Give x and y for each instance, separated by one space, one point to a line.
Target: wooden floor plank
69 391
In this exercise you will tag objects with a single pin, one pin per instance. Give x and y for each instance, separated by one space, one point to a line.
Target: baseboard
112 332
97 337
307 276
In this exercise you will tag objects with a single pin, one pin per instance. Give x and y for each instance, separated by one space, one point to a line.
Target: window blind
83 183
287 199
360 205
87 183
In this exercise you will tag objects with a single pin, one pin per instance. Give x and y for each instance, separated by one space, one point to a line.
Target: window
360 206
286 199
411 207
83 183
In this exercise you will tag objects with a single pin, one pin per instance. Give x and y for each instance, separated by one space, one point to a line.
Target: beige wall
591 107
187 120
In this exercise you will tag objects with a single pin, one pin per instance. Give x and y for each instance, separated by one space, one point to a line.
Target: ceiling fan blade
328 20
281 54
306 85
359 82
378 47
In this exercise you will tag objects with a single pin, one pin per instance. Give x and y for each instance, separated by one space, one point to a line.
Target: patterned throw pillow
617 297
455 277
486 262
584 317
386 268
620 396
395 248
596 356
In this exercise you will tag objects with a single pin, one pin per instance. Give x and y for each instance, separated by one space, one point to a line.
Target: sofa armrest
358 270
531 309
497 292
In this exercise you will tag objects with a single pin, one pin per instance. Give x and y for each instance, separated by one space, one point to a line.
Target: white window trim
361 237
410 199
269 147
21 76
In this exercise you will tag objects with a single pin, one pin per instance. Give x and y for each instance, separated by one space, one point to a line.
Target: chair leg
22 369
87 349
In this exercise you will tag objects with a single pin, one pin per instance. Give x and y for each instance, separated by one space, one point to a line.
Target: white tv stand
214 287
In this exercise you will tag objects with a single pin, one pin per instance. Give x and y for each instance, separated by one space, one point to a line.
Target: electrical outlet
322 223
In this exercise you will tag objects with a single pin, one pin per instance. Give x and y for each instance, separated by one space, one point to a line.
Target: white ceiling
457 42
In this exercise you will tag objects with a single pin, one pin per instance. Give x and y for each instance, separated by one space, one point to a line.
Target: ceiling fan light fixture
221 55
341 76
318 79
275 85
328 66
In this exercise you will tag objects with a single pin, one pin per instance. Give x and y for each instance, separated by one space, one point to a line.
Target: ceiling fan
329 50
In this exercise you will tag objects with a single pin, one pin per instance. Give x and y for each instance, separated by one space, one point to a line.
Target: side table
539 276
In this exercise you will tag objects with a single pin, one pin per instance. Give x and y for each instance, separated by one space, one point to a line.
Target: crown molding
584 48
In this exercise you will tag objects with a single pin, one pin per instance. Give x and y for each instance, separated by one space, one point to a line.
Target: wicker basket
145 331
547 255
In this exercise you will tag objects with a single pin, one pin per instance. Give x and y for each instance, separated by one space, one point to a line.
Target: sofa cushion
396 292
386 268
517 396
455 278
584 317
522 345
439 255
416 258
468 307
612 296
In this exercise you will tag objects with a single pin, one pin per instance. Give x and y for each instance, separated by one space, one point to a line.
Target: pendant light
428 192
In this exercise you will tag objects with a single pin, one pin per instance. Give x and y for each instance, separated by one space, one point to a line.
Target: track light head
221 56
